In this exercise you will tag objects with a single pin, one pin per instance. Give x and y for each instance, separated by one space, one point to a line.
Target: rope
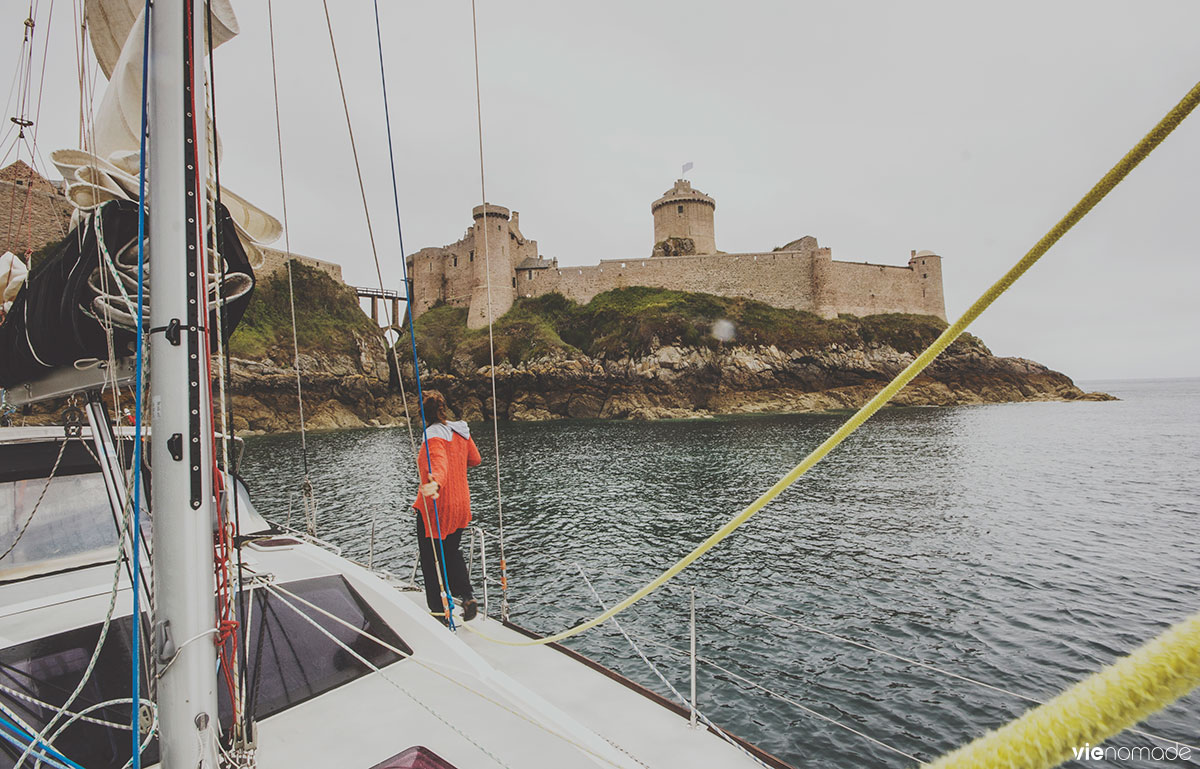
305 484
229 591
1097 193
491 342
1098 707
17 693
139 386
53 470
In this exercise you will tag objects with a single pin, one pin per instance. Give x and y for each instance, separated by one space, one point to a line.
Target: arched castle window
455 264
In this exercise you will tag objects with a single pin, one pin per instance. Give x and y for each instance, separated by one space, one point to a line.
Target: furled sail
79 304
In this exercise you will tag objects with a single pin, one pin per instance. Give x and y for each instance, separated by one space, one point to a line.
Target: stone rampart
274 261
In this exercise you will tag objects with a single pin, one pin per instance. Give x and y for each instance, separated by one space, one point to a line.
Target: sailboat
149 615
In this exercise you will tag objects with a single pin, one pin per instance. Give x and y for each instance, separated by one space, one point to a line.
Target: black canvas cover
51 324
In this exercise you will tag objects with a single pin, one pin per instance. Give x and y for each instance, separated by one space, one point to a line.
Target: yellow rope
1089 201
1094 709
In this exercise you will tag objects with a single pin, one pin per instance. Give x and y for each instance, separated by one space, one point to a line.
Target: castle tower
928 269
685 213
492 263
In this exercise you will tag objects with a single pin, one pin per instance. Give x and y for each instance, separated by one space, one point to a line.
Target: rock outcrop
680 382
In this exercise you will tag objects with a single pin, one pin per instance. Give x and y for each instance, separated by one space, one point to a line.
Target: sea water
1023 546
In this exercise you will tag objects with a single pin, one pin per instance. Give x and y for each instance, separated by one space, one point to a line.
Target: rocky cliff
342 362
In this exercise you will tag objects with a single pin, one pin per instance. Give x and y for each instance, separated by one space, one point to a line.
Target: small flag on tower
686 167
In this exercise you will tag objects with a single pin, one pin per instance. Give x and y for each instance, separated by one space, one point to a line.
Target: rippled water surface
1022 545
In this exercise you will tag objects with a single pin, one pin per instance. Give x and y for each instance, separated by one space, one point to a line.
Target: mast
181 419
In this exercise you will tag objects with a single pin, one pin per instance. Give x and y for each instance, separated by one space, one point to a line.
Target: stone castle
801 275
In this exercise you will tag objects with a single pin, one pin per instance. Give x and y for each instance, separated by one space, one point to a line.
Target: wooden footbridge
391 321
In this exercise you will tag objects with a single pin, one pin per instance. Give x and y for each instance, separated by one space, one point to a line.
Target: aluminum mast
181 443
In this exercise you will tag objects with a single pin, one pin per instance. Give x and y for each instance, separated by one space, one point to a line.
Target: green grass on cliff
327 317
633 321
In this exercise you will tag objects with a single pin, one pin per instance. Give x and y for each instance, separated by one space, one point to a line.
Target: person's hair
433 408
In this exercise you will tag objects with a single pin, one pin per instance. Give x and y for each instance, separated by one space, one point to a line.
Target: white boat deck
624 717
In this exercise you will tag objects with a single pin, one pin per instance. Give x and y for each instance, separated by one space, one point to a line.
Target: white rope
53 470
17 693
87 673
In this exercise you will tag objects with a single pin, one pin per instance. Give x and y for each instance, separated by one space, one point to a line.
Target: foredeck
633 719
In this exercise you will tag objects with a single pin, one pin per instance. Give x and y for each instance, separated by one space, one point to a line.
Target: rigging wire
306 487
439 551
491 340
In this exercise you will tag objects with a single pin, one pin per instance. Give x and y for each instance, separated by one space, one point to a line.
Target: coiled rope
1097 193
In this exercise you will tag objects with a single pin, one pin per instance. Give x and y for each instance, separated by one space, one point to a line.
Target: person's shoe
470 610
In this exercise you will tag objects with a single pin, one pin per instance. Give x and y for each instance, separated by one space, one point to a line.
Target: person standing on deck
444 504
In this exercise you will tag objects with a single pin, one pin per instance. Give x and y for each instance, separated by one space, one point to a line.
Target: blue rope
412 333
46 754
136 534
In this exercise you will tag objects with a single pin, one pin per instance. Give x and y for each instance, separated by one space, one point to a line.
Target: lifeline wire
1089 201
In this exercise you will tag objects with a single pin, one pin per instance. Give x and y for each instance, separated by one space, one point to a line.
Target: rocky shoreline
674 382
341 392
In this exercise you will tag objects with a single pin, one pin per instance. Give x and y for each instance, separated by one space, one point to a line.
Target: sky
963 128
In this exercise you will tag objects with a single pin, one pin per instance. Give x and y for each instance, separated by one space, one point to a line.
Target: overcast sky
964 128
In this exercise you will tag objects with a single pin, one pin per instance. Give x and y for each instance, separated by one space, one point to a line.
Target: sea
917 588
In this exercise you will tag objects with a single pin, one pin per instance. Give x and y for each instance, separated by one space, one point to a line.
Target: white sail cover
12 276
108 170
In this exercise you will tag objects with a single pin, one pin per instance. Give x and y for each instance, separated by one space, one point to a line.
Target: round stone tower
686 214
491 261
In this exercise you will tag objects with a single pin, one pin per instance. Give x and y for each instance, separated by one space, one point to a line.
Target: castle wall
873 289
778 278
275 260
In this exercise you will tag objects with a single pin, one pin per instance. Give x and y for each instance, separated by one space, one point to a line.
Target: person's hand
430 489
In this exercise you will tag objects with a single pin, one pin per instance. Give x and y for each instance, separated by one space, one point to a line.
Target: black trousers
456 567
